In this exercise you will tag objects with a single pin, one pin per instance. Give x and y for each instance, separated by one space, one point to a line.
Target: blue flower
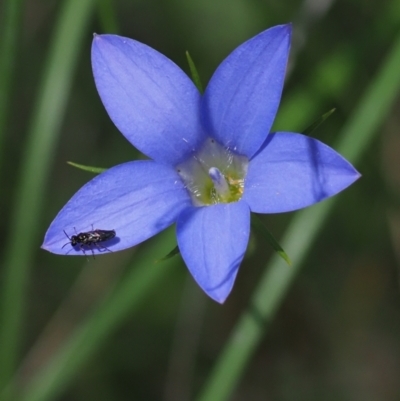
212 159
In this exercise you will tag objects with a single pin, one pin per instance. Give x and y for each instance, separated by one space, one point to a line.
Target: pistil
214 174
221 185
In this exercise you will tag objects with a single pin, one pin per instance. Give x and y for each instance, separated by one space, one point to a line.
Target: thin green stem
41 140
10 22
355 138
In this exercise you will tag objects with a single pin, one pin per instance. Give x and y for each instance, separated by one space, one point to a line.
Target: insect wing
104 235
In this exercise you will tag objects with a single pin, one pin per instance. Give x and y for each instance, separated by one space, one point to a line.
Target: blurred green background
336 335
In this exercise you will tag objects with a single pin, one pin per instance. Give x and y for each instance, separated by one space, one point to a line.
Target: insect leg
103 248
81 247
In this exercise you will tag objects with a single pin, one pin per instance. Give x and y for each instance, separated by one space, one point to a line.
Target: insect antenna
70 241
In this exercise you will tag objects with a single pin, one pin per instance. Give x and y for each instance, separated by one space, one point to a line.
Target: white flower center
214 174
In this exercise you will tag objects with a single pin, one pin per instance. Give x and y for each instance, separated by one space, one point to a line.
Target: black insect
90 239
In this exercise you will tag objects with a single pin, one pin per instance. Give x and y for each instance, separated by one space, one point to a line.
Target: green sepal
193 72
171 254
318 122
96 170
257 223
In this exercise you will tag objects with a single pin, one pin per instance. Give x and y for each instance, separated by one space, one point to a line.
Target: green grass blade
23 237
252 325
89 337
107 16
12 11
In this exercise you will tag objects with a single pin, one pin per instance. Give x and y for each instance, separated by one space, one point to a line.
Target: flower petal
136 199
212 241
293 171
243 96
148 97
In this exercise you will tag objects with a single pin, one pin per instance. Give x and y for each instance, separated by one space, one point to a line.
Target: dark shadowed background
337 333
